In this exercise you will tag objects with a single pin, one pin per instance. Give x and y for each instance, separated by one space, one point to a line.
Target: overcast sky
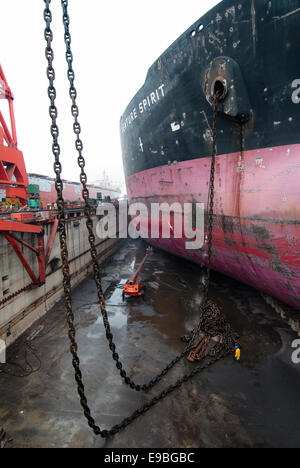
113 43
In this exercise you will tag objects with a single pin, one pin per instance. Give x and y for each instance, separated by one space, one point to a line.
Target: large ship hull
248 244
166 135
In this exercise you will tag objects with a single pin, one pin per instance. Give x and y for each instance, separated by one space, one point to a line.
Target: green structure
33 198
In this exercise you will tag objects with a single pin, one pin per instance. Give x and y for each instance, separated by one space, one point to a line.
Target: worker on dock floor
237 353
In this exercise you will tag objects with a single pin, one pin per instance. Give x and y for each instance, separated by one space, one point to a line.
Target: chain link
207 307
89 223
61 217
211 195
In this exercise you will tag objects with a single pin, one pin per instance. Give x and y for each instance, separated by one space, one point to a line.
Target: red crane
131 287
13 175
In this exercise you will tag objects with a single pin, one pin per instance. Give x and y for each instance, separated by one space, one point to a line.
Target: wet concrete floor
253 403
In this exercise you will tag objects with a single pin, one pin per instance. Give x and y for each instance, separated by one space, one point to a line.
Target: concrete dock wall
20 312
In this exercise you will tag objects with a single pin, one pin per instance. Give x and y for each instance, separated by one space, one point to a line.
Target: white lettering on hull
149 101
296 93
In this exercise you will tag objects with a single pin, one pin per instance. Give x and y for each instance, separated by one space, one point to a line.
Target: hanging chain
85 195
89 223
211 314
210 209
211 195
242 142
61 217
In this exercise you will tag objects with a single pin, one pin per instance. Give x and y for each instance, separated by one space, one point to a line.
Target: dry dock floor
253 403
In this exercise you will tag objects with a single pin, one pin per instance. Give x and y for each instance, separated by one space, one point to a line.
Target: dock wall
21 311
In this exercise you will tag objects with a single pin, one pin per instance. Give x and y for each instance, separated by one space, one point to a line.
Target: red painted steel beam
10 153
7 135
51 241
20 254
41 258
19 227
9 96
21 241
13 122
2 76
40 253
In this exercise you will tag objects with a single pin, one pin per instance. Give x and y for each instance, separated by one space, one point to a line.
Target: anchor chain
206 307
89 222
61 216
211 193
191 336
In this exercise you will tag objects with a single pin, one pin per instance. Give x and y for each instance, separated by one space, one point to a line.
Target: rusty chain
89 223
206 307
211 194
242 143
190 337
61 216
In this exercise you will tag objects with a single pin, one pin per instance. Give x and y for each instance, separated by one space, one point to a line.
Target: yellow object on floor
237 354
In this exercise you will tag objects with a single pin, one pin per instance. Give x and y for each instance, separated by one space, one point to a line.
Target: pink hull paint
256 237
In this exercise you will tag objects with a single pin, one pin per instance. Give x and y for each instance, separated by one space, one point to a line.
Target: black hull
170 118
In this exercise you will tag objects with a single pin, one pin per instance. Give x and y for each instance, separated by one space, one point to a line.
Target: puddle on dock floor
253 403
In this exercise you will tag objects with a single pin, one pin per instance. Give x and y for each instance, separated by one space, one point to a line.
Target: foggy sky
113 44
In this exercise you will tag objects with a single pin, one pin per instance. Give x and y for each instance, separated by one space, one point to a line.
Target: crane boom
136 274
